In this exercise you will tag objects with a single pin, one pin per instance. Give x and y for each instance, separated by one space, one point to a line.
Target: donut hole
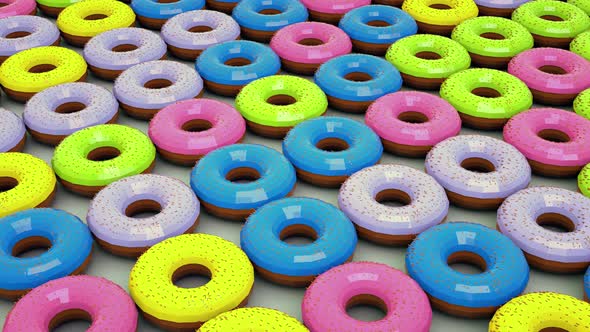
103 153
486 92
71 320
17 34
378 23
191 276
554 135
332 144
95 17
32 246
197 125
158 83
200 29
71 107
492 35
310 42
413 117
42 68
366 307
144 208
553 329
427 55
358 76
552 18
270 11
555 70
238 62
467 262
393 198
281 100
167 1
124 48
242 175
2 4
440 6
7 183
298 234
556 222
478 165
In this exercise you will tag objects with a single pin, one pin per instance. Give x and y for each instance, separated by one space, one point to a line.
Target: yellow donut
152 288
253 319
534 312
25 182
431 18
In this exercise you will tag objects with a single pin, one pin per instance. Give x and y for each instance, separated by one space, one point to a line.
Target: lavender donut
19 33
111 213
146 88
12 132
111 52
361 195
188 34
523 214
501 8
478 172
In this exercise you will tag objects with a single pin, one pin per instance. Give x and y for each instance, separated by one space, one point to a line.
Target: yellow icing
253 320
460 10
72 19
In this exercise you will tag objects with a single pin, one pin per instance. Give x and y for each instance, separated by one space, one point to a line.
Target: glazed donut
501 8
552 23
262 239
190 33
253 319
25 182
326 151
260 19
331 11
486 98
326 300
226 68
86 19
95 299
587 286
89 159
111 52
303 47
581 45
65 237
410 123
187 130
59 111
582 104
224 6
554 76
17 7
440 17
492 41
352 82
273 105
53 8
373 29
18 33
545 311
111 213
12 132
153 14
30 71
554 141
478 172
152 278
584 181
425 61
214 179
505 272
146 88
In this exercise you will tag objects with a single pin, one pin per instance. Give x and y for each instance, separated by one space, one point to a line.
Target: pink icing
324 304
165 129
334 6
17 7
335 42
443 120
522 132
108 304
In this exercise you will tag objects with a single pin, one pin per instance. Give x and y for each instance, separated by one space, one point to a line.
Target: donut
90 298
186 131
425 61
153 14
162 303
492 41
30 71
65 238
478 172
410 123
12 132
86 19
224 6
582 104
440 17
501 8
111 52
262 239
587 286
52 8
303 47
583 5
486 98
253 319
146 88
215 179
17 7
331 11
226 68
352 82
18 33
405 305
189 34
61 110
584 181
545 311
326 151
25 182
394 3
260 19
273 105
554 76
552 23
373 29
91 158
581 45
111 214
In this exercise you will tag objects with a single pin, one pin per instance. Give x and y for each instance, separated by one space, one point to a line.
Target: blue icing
160 10
587 283
247 14
354 23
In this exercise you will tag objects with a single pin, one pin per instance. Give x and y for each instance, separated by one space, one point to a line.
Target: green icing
574 21
582 4
581 45
582 104
584 181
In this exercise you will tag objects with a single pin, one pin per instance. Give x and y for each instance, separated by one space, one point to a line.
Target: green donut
71 160
582 104
581 45
574 19
582 4
57 3
584 181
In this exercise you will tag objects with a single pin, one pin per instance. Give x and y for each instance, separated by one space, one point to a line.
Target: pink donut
331 11
96 299
303 47
17 7
554 76
410 123
187 130
554 141
399 296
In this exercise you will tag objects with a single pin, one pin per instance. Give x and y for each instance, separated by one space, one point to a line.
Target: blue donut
261 238
276 179
164 10
506 270
71 243
587 285
300 146
248 14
